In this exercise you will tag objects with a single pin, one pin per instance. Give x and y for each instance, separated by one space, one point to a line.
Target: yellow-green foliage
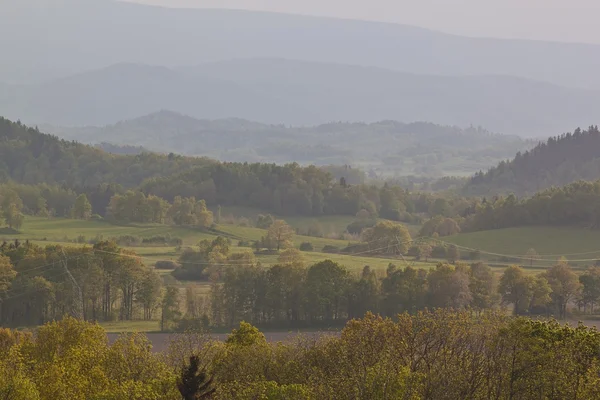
431 355
72 360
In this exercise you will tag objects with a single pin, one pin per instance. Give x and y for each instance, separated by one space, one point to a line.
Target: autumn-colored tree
281 234
387 237
82 209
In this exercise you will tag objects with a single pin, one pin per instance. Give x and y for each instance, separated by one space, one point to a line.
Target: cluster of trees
289 294
207 260
111 283
437 354
135 206
11 207
575 204
557 162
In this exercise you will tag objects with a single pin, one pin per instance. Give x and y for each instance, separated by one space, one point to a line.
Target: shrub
243 221
306 246
330 249
127 240
438 252
166 264
357 227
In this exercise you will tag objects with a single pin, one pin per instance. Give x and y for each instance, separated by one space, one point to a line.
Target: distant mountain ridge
384 148
301 93
64 37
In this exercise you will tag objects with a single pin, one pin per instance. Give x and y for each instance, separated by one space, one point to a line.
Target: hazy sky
562 20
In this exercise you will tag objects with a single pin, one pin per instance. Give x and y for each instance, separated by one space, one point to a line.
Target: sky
556 20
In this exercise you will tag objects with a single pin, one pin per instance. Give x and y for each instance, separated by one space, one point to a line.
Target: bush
166 264
306 246
413 251
243 221
127 240
438 252
330 249
357 227
187 324
244 243
163 240
96 217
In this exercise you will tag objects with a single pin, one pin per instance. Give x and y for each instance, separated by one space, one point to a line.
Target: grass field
61 231
580 246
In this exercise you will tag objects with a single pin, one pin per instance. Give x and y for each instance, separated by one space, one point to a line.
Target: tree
82 209
565 287
453 254
281 234
449 287
194 384
326 288
483 287
245 335
291 256
14 218
170 307
7 274
590 288
448 227
516 289
387 237
148 292
264 221
424 251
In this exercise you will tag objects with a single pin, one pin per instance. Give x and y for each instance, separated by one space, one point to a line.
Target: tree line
440 354
576 204
290 294
110 284
49 174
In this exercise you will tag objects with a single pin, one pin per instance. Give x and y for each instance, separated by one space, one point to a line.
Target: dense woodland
431 355
42 168
557 162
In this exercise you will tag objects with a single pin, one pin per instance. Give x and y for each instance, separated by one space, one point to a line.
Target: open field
44 231
580 246
329 224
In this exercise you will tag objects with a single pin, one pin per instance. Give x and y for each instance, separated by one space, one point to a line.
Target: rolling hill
64 37
302 93
557 162
385 148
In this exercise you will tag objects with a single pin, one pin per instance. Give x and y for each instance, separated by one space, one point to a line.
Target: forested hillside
385 148
37 167
31 157
557 162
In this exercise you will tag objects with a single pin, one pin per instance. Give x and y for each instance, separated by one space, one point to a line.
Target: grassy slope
549 242
60 231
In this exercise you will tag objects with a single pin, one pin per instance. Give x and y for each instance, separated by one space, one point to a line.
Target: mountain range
277 91
384 148
44 39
